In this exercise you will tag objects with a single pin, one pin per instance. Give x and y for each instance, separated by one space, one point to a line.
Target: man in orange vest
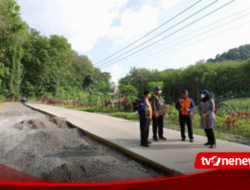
185 105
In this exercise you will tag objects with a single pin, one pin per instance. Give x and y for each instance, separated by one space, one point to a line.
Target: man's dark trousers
144 127
158 124
186 119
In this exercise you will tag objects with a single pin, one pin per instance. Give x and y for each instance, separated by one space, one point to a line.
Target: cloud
134 23
166 4
85 22
116 71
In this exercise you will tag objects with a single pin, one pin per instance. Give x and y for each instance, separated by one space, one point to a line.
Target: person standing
145 113
23 100
158 114
206 110
185 106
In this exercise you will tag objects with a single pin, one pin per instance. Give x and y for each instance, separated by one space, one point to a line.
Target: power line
168 35
162 32
149 32
205 27
164 53
202 28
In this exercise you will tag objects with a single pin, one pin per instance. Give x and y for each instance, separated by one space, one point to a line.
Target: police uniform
145 112
185 116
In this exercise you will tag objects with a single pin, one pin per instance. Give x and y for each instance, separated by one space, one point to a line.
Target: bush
125 115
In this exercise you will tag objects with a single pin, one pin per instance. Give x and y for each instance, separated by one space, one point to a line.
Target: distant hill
241 53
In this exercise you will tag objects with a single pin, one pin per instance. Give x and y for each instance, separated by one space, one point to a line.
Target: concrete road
172 154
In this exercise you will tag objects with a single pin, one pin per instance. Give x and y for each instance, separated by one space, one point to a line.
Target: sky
100 28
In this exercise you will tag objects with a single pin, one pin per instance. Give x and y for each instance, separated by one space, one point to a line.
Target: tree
152 85
129 91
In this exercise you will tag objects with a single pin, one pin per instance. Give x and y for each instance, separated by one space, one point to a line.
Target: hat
146 92
157 88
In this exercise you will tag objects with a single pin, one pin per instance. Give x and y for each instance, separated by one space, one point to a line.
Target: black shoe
155 138
207 143
212 146
191 140
162 138
149 142
183 139
145 145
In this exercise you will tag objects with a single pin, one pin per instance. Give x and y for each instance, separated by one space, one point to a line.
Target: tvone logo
217 161
214 160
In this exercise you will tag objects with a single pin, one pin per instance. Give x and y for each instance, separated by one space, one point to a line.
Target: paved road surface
173 153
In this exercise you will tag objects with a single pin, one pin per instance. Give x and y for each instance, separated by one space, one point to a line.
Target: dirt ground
48 148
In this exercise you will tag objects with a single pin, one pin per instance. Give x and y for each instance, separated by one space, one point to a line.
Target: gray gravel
48 148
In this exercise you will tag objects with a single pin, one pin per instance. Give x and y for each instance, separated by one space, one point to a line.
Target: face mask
160 92
203 96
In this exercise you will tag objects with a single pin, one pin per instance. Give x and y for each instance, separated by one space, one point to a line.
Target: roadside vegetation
233 123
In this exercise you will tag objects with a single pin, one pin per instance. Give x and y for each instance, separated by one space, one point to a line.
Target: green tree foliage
241 53
13 32
36 65
228 78
152 85
129 91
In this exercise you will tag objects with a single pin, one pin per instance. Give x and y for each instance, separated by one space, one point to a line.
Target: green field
240 103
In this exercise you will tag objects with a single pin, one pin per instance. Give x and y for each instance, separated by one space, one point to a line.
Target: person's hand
155 114
204 115
187 110
181 109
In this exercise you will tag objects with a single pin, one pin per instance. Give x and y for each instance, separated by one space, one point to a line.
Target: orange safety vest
185 104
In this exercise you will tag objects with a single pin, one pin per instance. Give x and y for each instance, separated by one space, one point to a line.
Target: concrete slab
171 156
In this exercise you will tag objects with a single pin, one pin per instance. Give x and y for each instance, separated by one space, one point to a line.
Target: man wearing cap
185 106
145 112
158 114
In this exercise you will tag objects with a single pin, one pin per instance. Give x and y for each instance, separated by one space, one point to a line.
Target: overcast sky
98 28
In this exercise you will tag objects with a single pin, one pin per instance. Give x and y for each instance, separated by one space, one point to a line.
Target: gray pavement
172 154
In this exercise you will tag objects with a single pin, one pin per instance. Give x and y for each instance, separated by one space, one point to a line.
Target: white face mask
203 96
160 92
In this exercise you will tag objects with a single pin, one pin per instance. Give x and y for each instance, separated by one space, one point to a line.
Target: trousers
144 129
158 126
210 136
186 119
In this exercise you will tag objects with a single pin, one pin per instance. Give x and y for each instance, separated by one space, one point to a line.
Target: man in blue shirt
185 106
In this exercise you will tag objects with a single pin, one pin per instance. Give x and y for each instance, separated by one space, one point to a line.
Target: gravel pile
48 148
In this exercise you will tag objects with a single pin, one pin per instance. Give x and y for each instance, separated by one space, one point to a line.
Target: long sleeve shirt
157 104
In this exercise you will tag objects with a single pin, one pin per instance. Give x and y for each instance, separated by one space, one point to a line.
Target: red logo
223 160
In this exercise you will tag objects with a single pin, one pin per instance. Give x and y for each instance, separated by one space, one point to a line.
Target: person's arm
192 106
211 107
177 105
154 107
141 106
153 103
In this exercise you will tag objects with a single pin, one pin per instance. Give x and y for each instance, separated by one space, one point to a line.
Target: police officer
145 112
158 114
185 105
